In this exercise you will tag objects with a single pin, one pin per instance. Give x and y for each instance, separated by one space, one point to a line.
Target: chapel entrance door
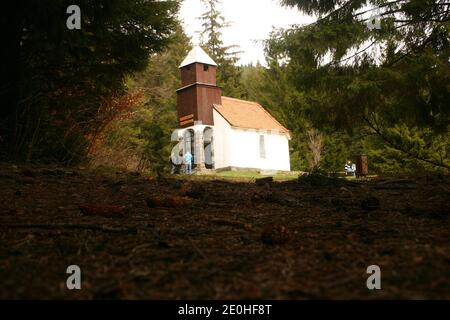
208 148
189 144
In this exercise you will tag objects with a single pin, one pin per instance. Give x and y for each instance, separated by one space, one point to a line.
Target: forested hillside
106 94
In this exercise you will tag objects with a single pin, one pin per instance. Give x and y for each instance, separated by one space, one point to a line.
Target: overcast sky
252 21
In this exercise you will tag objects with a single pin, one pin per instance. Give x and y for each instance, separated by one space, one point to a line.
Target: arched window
208 148
189 143
262 147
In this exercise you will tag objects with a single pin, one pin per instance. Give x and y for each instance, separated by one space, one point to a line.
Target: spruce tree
370 80
54 81
213 23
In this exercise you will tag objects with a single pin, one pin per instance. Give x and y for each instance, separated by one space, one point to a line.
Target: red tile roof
248 115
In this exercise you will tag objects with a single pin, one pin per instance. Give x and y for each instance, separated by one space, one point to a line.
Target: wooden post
362 165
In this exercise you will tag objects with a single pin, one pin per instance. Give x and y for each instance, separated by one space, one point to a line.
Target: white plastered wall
240 148
221 147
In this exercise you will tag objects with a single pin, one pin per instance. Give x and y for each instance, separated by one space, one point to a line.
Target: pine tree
372 81
213 23
54 81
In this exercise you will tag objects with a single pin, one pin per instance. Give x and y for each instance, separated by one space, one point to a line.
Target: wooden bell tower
199 91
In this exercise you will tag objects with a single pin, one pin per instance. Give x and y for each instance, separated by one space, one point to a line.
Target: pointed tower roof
197 55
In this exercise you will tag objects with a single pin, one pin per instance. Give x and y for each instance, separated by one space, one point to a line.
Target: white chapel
225 133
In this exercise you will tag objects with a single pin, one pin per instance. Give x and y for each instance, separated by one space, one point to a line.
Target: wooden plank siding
196 73
198 100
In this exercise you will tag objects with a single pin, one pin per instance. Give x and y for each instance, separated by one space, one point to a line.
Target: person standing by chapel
188 162
350 169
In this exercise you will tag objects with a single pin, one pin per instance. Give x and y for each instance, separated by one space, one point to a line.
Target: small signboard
186 120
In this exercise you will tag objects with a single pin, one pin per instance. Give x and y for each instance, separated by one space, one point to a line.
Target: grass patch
252 175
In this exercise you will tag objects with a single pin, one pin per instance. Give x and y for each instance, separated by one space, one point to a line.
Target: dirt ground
137 238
